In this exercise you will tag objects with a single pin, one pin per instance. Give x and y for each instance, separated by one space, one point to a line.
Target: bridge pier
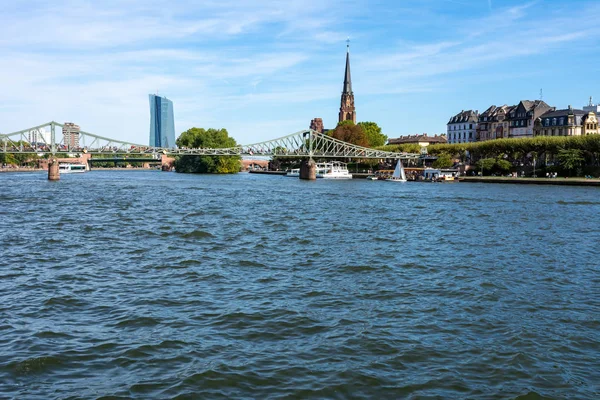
308 169
53 172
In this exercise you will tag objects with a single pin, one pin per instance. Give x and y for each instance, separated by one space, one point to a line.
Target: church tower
347 110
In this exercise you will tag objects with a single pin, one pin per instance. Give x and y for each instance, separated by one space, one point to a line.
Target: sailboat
398 175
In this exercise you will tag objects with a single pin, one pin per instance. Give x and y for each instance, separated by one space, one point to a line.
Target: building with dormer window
521 118
568 122
462 128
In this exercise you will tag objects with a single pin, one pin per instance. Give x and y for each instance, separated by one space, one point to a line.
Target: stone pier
308 170
53 172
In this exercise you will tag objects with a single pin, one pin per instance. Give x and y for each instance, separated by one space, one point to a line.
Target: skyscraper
162 122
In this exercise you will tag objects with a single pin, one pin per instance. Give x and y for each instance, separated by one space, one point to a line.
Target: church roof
347 77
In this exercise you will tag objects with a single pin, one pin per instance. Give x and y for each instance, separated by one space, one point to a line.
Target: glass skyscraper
162 122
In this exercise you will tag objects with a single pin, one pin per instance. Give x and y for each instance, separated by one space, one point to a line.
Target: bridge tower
347 109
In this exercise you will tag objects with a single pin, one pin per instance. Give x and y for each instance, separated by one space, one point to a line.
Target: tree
207 138
503 165
570 158
373 133
486 164
443 161
347 131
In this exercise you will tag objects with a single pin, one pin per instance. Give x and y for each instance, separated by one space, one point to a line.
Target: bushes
539 144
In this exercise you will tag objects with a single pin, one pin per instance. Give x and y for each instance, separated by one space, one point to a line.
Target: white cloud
256 68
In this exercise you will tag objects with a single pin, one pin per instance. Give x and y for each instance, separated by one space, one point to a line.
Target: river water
164 285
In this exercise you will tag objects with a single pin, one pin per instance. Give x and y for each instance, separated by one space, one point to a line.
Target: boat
293 173
398 175
333 170
69 168
440 175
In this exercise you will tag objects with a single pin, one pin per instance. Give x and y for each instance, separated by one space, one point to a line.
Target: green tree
570 158
486 164
347 131
373 133
503 165
443 161
195 138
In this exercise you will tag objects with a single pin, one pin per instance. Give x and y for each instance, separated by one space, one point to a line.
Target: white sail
402 174
398 175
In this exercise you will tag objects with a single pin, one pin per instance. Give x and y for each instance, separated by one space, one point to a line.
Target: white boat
68 168
294 173
398 175
333 170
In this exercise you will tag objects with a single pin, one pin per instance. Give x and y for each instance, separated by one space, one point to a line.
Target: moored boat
293 173
333 170
70 168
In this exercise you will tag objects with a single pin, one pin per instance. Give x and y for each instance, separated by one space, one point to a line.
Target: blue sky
264 69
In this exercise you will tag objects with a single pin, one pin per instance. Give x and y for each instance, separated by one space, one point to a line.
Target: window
470 126
561 121
553 121
547 122
470 135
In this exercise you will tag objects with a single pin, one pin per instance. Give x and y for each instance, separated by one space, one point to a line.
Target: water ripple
159 285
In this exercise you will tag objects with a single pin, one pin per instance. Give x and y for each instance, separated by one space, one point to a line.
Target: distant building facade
162 122
592 107
422 139
462 127
484 124
71 134
521 118
567 122
316 124
499 122
39 136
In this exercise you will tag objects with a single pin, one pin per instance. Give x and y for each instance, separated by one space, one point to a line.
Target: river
164 285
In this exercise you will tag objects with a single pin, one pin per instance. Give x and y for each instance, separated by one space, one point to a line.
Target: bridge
307 144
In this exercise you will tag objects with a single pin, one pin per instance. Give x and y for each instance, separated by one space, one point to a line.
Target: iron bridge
305 143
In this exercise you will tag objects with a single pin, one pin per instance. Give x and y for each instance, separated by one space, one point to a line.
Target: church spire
347 76
347 110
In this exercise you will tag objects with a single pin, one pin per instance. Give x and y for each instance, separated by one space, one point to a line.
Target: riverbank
7 170
533 181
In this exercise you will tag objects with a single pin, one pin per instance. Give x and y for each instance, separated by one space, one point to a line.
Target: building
71 135
316 124
521 118
39 136
484 124
592 107
422 140
567 122
499 124
162 122
462 127
347 109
